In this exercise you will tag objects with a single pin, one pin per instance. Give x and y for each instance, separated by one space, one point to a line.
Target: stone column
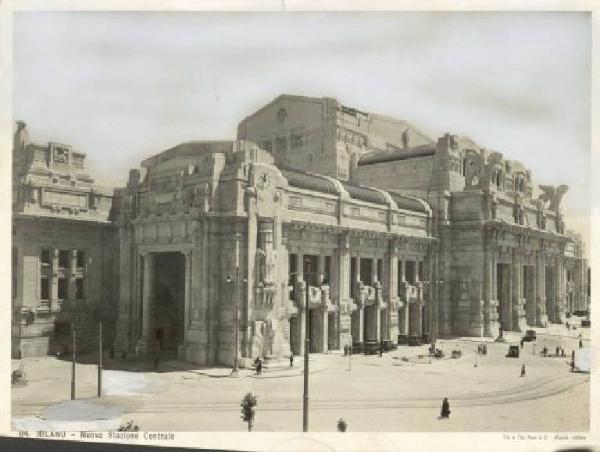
431 288
321 268
361 322
360 308
540 271
489 284
517 296
559 290
148 338
406 302
531 296
378 295
392 290
344 313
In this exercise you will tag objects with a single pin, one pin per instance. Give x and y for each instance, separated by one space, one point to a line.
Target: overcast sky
123 86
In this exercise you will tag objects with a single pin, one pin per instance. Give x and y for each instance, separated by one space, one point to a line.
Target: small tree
341 425
248 409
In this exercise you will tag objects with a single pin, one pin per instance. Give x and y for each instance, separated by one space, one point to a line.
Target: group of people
482 349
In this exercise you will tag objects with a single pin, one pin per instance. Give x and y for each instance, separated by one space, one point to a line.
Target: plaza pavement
401 391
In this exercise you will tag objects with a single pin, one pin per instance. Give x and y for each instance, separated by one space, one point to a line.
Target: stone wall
98 302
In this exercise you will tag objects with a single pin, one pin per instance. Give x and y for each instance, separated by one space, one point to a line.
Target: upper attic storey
323 136
56 158
454 163
51 180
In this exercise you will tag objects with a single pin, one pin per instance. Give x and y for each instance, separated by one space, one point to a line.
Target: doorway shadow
167 362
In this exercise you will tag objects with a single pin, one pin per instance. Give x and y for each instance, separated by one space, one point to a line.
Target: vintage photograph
300 221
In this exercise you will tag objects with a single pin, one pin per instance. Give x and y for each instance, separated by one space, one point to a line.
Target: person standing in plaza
445 409
580 344
291 360
523 370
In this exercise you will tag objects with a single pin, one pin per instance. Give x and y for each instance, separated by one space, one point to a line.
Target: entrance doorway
169 300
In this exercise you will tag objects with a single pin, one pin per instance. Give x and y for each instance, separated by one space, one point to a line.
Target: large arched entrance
169 300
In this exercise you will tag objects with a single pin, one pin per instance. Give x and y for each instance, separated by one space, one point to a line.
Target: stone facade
355 223
62 239
505 259
262 242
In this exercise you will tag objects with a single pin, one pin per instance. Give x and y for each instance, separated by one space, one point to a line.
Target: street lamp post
236 345
307 274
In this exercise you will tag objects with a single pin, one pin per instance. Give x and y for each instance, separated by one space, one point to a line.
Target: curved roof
365 194
325 184
401 154
309 181
409 203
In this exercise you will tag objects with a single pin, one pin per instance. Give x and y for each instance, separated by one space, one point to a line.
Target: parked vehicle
529 336
513 351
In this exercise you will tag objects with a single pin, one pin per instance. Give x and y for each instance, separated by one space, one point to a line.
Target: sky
121 86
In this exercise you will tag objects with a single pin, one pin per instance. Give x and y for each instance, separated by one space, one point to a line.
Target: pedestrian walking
445 409
573 365
556 351
291 360
523 370
259 367
580 344
522 344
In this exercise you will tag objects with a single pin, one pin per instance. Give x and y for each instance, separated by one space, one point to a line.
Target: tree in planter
248 409
341 425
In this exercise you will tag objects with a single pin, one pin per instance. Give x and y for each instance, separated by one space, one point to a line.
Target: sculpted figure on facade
492 204
541 217
493 171
518 209
473 168
552 196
